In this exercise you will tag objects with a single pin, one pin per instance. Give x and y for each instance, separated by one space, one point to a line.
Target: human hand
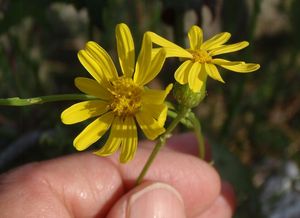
178 184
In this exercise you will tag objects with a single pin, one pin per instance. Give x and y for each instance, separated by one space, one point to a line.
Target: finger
224 205
197 182
149 200
228 192
86 185
80 185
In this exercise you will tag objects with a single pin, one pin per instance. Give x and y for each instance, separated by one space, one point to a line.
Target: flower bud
186 97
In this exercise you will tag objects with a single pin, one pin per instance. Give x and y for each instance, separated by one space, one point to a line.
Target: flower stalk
161 142
198 132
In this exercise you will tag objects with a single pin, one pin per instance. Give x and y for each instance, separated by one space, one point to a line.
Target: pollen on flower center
201 56
126 99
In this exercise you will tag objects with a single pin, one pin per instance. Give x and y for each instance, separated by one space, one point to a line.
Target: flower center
201 56
126 100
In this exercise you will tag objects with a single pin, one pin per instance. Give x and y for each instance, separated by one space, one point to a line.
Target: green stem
16 101
161 141
184 121
198 132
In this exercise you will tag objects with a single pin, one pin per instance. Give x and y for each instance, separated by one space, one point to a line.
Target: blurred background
252 121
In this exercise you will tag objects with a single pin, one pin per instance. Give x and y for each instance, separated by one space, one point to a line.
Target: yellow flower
122 101
200 58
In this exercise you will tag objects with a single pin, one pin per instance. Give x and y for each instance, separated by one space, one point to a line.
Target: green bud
186 97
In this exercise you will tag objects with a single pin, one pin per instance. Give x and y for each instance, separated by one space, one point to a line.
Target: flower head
200 59
122 101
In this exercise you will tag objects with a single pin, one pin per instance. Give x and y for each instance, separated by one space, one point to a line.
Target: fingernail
157 200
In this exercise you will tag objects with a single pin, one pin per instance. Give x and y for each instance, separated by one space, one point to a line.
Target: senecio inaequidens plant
121 102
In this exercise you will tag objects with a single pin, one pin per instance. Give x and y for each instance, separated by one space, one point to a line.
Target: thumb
149 200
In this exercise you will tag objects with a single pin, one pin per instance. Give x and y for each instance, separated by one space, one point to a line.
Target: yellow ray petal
163 112
216 41
103 59
143 60
125 48
83 111
172 50
155 66
181 74
92 87
242 68
154 96
114 140
195 83
158 112
237 66
228 48
220 61
150 127
203 75
195 37
129 143
213 72
94 131
91 66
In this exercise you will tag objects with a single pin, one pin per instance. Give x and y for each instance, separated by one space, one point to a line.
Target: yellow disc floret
126 100
201 56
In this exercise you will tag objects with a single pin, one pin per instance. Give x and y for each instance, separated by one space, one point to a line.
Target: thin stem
184 121
161 141
198 132
16 101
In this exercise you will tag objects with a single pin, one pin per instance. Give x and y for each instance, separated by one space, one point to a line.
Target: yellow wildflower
122 101
200 58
